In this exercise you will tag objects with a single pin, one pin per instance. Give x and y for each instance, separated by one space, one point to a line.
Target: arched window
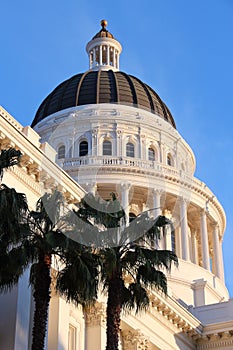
83 148
169 160
151 154
129 149
107 148
61 152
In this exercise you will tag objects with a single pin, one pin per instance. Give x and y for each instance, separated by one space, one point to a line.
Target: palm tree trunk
41 297
114 312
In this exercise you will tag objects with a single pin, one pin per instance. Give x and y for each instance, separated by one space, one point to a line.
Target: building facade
106 131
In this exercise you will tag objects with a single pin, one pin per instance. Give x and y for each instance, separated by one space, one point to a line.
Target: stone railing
133 163
152 168
108 161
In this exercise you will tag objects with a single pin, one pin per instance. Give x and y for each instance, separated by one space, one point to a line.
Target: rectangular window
129 149
72 338
107 148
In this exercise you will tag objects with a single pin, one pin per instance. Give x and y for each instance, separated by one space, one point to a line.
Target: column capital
203 211
125 185
183 199
157 191
214 224
135 339
96 315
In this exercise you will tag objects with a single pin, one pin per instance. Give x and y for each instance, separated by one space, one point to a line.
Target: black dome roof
93 87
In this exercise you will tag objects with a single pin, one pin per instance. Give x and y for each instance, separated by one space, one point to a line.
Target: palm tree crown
123 251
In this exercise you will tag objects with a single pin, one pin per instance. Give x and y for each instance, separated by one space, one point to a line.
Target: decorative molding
219 340
134 340
96 315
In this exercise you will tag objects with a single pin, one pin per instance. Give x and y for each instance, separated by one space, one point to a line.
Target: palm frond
8 158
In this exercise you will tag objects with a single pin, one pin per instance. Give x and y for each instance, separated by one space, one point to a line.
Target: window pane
61 152
169 160
107 148
130 149
83 148
151 154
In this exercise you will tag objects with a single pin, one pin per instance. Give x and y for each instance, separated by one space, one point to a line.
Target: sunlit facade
106 131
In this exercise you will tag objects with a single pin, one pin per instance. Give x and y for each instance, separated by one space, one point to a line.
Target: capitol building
106 131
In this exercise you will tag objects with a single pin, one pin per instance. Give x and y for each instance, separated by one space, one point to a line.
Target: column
108 55
156 203
194 247
90 63
125 187
100 53
204 241
118 60
95 330
217 263
114 57
221 261
184 229
94 58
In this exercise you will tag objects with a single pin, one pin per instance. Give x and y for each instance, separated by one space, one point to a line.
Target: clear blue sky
183 49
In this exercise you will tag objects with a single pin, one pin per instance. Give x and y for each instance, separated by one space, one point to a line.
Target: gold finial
103 23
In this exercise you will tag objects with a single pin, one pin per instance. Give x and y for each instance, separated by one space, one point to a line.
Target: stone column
108 55
156 202
134 340
184 229
100 53
217 262
90 63
95 319
194 247
94 58
221 261
156 212
204 242
114 57
118 60
125 187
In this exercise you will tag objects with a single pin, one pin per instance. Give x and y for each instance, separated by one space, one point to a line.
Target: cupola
104 50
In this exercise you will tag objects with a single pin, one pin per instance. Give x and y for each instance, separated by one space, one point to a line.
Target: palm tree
47 240
13 207
123 251
31 239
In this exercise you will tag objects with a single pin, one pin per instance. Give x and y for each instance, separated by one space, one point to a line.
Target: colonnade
193 240
104 55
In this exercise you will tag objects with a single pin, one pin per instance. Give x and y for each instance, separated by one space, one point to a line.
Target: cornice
37 170
177 315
